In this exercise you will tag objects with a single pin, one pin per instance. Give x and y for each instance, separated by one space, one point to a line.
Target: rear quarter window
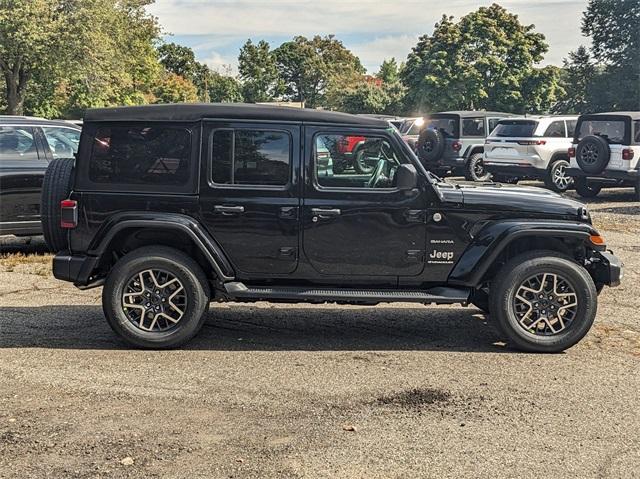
157 158
612 130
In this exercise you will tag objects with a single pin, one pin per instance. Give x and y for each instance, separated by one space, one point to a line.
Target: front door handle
323 213
228 210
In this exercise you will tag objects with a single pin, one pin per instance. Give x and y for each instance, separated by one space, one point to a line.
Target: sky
374 30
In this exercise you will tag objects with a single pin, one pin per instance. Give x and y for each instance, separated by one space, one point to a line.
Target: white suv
606 152
531 147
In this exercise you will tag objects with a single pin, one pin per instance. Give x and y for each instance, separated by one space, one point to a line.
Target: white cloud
372 53
390 23
222 64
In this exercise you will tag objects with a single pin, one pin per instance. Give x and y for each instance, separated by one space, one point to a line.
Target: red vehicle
351 153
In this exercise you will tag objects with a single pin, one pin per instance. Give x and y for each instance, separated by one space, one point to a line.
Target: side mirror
406 177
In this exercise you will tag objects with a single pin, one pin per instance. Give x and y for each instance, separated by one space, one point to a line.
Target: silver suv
606 152
533 147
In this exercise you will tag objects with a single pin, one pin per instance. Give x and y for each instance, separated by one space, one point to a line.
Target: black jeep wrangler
171 207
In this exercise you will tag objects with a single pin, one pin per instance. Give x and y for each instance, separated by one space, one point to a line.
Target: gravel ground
316 391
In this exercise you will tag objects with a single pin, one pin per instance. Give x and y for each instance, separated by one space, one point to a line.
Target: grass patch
39 264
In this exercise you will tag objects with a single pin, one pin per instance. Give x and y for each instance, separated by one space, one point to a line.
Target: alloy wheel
154 300
545 304
560 177
589 153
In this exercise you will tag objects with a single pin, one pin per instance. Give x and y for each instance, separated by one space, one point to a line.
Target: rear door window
17 143
250 157
571 128
150 156
516 128
473 127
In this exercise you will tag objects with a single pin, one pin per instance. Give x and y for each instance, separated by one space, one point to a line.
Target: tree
175 89
364 97
481 62
577 75
389 71
613 26
258 72
224 88
309 68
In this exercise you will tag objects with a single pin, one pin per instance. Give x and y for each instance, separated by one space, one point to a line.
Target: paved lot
322 391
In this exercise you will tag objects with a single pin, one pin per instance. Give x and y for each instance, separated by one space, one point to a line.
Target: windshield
611 130
515 128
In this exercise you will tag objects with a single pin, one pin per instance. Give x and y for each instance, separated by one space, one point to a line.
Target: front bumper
606 268
77 269
631 175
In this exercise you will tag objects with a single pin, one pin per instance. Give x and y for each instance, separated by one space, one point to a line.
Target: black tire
430 145
593 154
587 189
56 186
557 179
162 259
511 180
474 169
508 282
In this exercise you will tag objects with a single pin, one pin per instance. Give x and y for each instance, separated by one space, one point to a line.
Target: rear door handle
228 210
325 212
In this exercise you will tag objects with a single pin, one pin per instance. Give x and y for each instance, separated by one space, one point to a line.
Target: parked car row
587 152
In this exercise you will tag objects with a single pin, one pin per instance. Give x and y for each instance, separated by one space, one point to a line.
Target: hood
536 202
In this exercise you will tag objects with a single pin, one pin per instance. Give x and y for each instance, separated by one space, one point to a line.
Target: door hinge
288 252
415 216
288 213
415 255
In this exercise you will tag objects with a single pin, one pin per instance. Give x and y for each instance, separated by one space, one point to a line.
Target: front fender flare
494 237
186 224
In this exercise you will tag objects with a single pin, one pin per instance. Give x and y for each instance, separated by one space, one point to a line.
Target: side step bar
438 295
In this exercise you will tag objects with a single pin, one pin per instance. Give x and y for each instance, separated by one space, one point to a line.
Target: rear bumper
515 170
607 268
77 269
606 174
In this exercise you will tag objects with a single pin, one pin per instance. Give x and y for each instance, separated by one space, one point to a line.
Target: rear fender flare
186 224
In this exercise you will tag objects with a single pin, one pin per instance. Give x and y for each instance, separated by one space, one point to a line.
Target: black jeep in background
171 207
27 145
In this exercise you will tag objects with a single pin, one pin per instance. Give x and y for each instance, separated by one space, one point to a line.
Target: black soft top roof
634 115
230 111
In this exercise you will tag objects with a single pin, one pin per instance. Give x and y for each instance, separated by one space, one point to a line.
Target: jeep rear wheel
557 178
475 170
156 297
543 302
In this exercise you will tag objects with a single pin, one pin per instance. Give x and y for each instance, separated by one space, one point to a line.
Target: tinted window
376 160
250 157
492 123
63 142
141 156
473 127
17 143
555 130
571 127
515 128
611 130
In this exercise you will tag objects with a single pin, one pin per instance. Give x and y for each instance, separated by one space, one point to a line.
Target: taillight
456 146
68 214
532 142
627 154
571 152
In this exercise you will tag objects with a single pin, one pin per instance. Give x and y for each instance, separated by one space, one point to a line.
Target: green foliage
364 97
174 88
481 62
224 89
308 68
258 72
389 71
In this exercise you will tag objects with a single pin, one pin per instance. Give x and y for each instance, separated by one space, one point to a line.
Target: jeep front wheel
156 297
543 302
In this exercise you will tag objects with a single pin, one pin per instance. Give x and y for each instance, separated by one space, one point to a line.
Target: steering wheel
375 177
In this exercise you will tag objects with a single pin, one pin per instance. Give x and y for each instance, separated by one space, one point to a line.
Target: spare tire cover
430 145
593 154
56 187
